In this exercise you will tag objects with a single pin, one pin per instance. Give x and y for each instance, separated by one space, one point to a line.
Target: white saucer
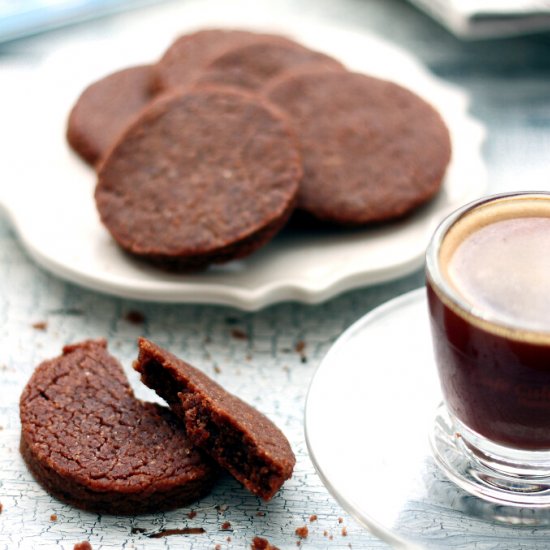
48 192
369 411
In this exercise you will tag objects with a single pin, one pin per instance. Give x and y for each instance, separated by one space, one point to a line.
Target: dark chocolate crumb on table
135 317
259 543
171 532
239 334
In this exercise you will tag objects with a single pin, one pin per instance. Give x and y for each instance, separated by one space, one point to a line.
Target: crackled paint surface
267 358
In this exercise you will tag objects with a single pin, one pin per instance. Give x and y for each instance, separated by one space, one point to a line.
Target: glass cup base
492 472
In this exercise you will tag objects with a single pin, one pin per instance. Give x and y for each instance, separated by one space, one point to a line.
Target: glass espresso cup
488 284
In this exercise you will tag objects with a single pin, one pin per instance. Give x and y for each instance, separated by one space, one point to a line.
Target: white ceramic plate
368 414
48 192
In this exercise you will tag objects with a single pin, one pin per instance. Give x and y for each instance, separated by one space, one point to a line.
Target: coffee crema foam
497 258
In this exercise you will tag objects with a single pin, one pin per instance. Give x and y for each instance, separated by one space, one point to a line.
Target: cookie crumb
260 514
299 348
85 545
313 517
344 532
53 517
239 334
170 532
259 543
330 537
218 547
228 539
340 520
135 317
302 532
40 325
191 514
325 533
222 507
226 525
217 369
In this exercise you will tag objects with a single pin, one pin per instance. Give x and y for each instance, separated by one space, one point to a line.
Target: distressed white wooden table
255 355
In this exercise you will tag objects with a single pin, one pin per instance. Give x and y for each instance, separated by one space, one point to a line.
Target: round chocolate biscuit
90 442
105 108
372 150
189 53
201 177
252 66
237 436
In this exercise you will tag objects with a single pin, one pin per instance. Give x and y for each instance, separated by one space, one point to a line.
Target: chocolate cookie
90 442
237 436
201 177
105 108
372 150
253 65
189 53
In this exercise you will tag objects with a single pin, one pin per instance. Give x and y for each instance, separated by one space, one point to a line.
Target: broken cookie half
241 439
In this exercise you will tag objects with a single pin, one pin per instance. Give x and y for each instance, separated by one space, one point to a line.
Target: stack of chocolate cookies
203 157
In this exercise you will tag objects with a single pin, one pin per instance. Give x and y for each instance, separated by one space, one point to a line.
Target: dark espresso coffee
501 265
490 315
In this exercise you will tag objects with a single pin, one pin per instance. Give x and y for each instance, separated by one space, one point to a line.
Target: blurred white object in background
474 19
20 18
